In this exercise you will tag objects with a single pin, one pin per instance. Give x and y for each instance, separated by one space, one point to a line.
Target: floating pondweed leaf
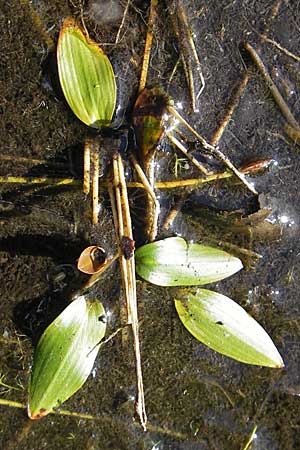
65 356
223 325
175 262
86 76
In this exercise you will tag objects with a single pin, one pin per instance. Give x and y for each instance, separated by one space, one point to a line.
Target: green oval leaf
86 76
175 262
65 355
223 325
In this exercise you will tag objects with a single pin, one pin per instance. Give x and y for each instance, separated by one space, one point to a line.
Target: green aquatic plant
66 352
65 355
213 319
86 76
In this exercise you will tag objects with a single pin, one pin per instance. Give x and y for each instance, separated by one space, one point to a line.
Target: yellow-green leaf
176 262
65 355
86 76
223 325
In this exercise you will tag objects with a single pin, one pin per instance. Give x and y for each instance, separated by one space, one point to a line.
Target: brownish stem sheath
153 204
127 263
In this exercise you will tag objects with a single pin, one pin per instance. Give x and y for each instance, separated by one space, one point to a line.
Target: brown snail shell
91 260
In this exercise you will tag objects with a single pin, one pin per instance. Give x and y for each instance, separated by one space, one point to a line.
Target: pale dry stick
285 110
86 166
122 22
122 301
140 403
95 185
148 44
189 182
188 52
212 149
128 277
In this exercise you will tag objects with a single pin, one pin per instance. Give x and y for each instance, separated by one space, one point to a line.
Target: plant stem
127 262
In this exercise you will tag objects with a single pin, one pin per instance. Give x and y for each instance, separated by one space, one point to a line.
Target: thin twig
229 113
182 148
148 44
213 150
188 51
251 438
285 110
122 22
277 45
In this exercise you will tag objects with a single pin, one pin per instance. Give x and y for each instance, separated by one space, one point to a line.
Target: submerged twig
122 22
280 47
212 149
285 110
188 52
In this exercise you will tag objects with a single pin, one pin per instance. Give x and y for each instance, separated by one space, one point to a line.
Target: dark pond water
196 399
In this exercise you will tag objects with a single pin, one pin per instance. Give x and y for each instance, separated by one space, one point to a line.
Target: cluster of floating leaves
66 352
